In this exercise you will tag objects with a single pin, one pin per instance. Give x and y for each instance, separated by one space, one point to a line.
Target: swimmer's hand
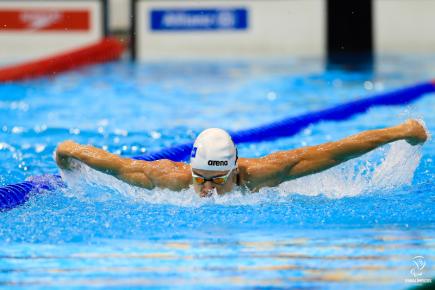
414 132
64 153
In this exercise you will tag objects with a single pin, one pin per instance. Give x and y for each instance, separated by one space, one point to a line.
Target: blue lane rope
16 194
292 125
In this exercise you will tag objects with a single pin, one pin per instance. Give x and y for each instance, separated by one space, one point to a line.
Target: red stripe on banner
45 20
106 50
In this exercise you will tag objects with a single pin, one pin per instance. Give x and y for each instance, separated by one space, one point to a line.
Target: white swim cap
213 150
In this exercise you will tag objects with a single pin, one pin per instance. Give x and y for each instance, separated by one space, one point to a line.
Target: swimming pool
359 225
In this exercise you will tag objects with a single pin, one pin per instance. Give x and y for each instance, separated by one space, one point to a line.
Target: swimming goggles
219 180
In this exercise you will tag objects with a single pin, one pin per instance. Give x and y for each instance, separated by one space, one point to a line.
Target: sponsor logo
45 20
199 19
40 19
217 163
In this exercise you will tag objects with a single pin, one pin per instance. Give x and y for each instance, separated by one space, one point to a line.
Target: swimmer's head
213 150
214 162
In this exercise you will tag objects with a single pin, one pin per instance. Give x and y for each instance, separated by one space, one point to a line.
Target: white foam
396 167
386 167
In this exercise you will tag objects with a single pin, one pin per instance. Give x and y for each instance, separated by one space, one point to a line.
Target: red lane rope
105 50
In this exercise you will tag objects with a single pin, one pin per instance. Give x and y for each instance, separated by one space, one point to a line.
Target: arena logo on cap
217 163
199 19
45 20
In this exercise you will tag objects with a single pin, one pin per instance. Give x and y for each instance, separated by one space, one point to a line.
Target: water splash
387 167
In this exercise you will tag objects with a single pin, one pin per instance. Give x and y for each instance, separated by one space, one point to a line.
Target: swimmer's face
208 187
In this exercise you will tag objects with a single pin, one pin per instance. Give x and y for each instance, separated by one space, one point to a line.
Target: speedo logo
40 20
217 163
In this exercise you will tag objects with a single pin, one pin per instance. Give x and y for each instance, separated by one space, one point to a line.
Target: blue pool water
355 226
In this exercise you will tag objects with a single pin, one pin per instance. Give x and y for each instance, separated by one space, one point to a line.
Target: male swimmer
215 167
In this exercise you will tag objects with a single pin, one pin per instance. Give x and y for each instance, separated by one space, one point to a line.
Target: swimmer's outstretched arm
278 167
161 173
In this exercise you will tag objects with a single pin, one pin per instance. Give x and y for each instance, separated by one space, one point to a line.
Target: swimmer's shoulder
246 176
248 165
256 173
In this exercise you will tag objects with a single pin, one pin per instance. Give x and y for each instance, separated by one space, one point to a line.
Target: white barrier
228 28
33 29
404 26
119 15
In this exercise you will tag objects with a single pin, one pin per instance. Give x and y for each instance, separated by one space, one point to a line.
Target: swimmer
215 167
